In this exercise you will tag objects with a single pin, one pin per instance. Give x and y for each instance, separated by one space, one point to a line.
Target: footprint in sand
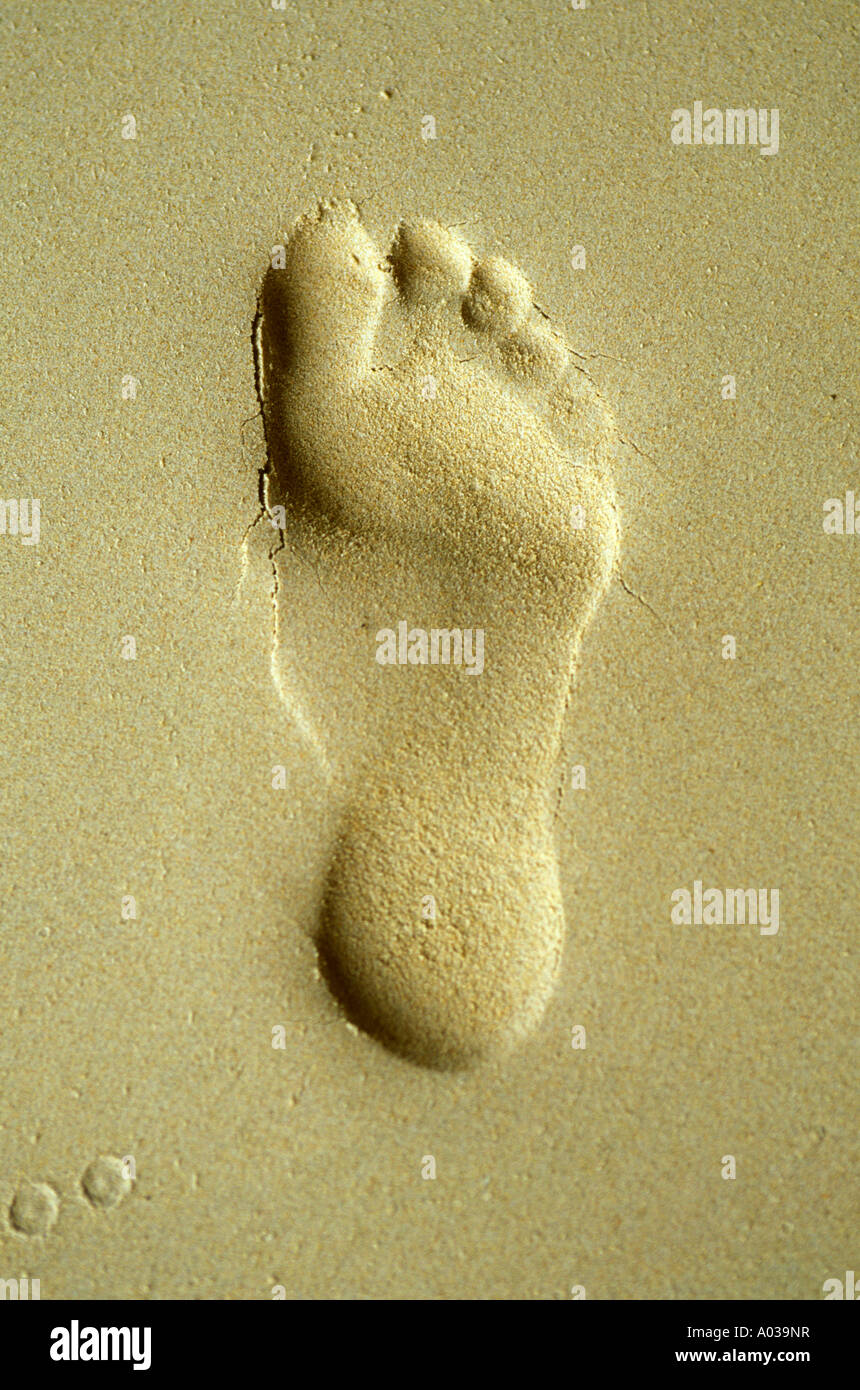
443 479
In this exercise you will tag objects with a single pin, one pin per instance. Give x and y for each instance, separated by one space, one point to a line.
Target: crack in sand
265 477
645 604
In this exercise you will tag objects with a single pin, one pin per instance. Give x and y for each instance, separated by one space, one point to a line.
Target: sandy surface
151 1038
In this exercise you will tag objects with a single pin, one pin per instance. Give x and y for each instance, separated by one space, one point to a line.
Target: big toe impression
321 309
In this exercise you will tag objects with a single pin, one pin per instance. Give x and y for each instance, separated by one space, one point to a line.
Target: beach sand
189 1109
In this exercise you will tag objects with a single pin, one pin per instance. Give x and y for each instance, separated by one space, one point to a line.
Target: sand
193 1106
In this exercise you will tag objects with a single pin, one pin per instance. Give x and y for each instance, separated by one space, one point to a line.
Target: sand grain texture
152 1037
